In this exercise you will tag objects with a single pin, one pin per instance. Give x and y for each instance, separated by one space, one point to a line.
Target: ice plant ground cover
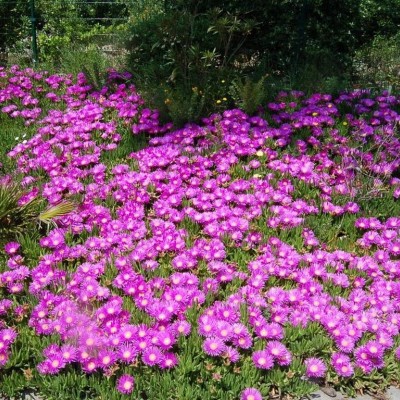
242 258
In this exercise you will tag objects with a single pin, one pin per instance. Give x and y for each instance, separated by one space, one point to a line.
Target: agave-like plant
17 218
48 215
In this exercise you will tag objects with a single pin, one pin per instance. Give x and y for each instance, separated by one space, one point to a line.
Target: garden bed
246 256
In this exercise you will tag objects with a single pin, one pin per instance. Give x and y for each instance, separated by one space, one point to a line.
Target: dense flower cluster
231 181
7 335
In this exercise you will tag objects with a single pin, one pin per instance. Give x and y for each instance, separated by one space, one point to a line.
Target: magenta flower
12 248
262 359
342 364
127 352
244 341
68 353
177 179
315 367
3 357
106 358
214 346
89 365
232 354
397 353
8 335
374 349
152 356
125 384
52 365
181 327
345 370
250 394
279 352
170 360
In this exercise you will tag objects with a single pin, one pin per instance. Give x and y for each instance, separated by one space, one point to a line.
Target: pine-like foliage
247 94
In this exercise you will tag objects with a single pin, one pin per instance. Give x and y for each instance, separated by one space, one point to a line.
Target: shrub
183 47
89 60
378 64
247 94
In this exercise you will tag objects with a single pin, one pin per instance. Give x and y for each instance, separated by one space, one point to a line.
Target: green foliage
47 216
247 94
89 60
316 75
378 18
378 63
62 26
306 45
11 132
14 23
183 107
189 50
14 218
186 44
302 45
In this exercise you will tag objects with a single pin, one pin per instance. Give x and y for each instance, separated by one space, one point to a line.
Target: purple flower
374 349
152 356
170 360
262 359
106 358
89 365
8 335
345 370
181 327
315 367
207 326
3 357
346 344
232 354
397 353
214 346
68 353
279 352
125 384
244 341
165 340
250 394
12 248
52 365
342 365
223 330
127 352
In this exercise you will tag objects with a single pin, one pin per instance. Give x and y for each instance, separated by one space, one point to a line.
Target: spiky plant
247 94
17 219
14 218
50 213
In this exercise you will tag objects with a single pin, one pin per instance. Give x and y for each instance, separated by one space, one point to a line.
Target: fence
28 26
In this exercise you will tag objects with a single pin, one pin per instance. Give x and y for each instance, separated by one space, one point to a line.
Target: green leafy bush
184 46
89 60
378 64
247 94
